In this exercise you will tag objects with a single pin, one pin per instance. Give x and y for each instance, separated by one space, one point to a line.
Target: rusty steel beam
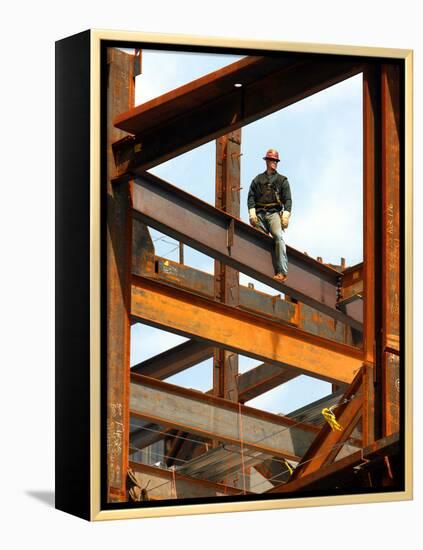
120 96
371 183
178 485
227 239
169 126
151 114
216 418
261 379
227 327
392 130
352 281
327 444
250 384
346 470
226 279
174 360
145 435
274 307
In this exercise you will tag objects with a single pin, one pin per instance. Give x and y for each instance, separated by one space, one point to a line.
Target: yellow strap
288 465
331 420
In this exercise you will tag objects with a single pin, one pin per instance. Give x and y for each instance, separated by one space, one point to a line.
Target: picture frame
108 274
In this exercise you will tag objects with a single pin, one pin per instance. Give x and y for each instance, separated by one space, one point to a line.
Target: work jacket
270 193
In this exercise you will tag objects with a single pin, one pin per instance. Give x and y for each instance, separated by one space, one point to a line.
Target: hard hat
272 154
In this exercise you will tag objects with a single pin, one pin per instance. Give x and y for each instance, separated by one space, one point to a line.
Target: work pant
270 222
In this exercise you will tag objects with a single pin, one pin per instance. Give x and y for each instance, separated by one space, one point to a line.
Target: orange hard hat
272 154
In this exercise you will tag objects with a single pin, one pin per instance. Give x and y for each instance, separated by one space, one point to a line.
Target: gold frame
95 316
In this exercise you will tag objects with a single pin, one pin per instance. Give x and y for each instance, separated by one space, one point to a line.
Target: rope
242 446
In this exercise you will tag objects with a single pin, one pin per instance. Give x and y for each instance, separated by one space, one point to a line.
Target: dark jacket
270 191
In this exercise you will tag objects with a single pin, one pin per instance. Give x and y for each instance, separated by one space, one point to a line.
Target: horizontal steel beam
217 418
272 306
235 330
179 122
261 379
178 485
153 113
228 239
174 360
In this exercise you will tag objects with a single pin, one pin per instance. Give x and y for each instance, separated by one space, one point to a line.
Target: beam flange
205 228
343 470
217 418
328 443
174 360
227 327
169 125
178 484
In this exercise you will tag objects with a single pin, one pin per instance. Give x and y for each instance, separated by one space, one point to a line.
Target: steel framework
337 324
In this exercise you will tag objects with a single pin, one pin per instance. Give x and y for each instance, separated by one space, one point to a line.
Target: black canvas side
72 370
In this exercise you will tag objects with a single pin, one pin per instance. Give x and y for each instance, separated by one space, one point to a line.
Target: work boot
281 277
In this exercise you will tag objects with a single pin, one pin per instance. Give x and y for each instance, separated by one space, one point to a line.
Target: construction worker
269 209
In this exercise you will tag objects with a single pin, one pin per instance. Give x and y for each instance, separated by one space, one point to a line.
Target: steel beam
271 306
145 435
261 379
392 129
195 317
216 418
166 484
171 125
227 239
344 471
120 96
328 443
226 279
371 183
174 360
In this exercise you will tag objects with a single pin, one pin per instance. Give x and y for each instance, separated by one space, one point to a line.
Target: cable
304 419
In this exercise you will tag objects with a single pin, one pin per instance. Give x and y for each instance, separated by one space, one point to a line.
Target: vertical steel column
391 131
120 97
228 153
371 147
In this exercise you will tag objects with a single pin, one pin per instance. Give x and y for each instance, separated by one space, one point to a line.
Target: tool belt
268 206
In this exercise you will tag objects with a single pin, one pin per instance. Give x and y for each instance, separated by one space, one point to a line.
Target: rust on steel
371 183
120 97
205 228
196 317
345 470
195 114
174 360
391 238
328 443
251 384
352 283
250 299
226 279
261 379
186 486
217 418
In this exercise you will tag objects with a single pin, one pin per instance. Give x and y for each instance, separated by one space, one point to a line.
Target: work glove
285 219
253 217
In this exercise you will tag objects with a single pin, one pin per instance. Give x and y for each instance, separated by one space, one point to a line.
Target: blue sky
320 143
